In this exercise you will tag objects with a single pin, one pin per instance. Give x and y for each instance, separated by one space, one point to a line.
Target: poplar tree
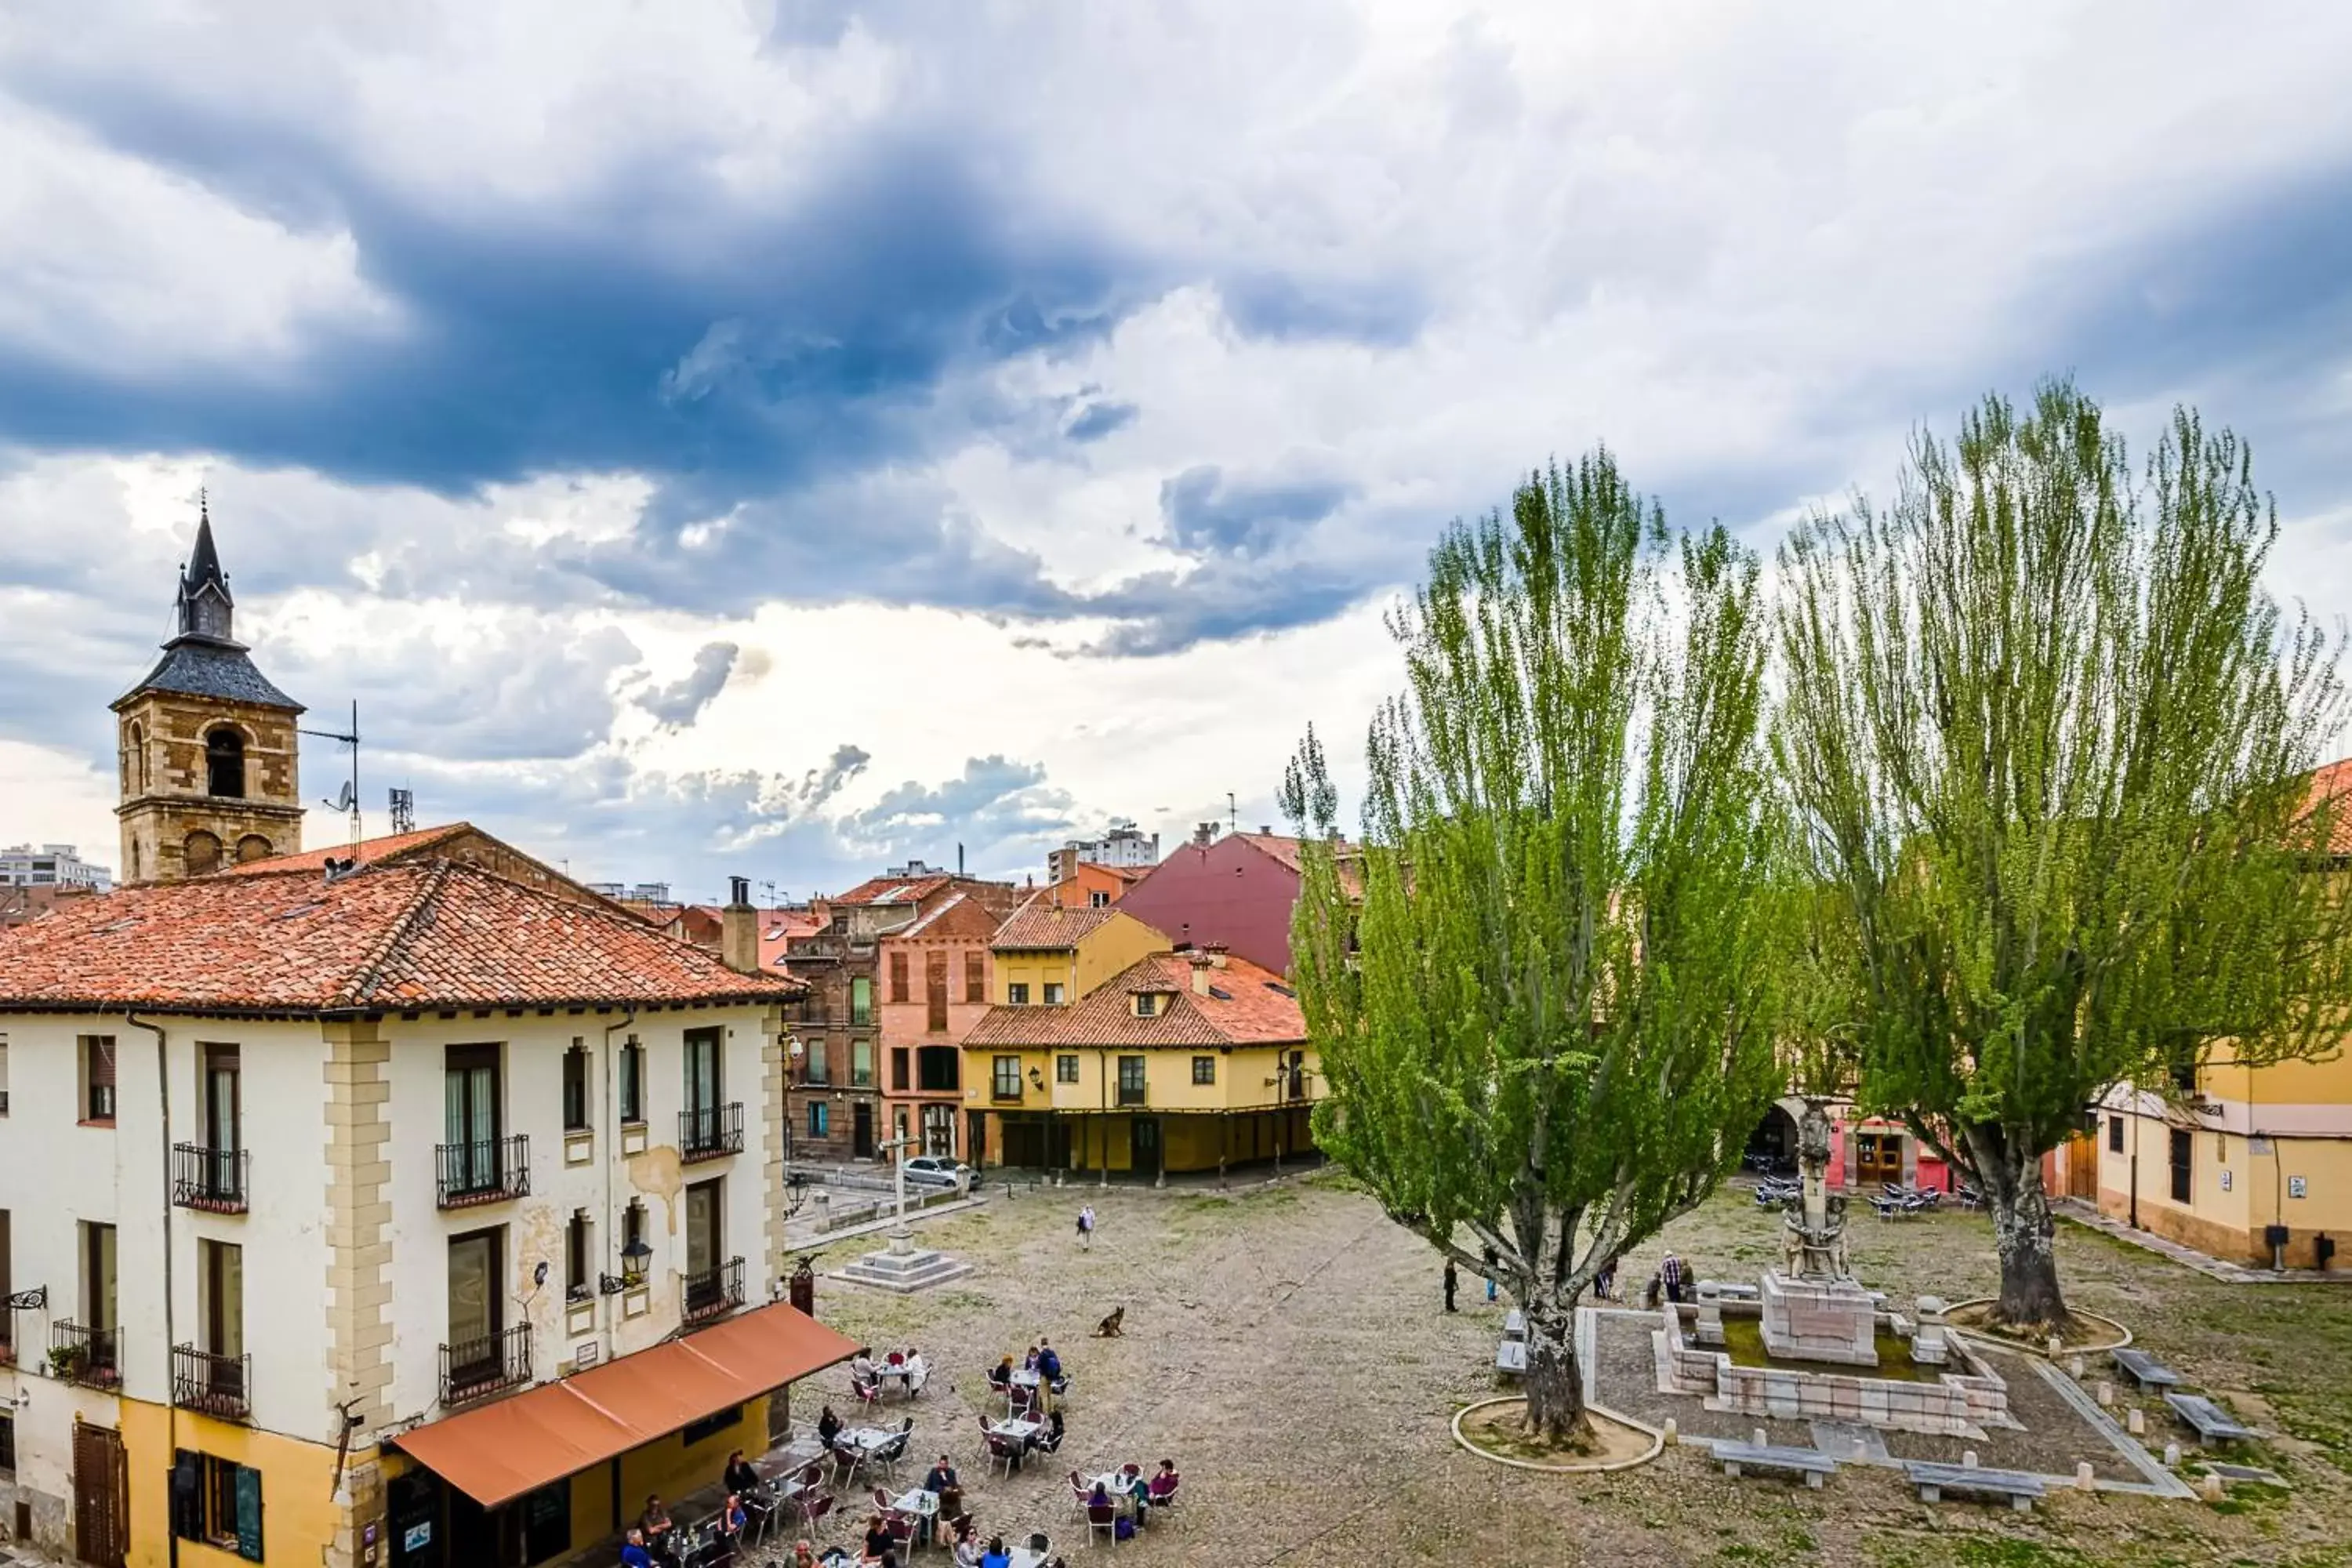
1539 985
2052 744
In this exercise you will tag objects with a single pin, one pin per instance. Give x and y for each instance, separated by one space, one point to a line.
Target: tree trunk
1555 1382
2023 1233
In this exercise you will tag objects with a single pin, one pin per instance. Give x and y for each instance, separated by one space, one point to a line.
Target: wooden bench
1511 1359
2213 1424
1810 1463
2144 1369
2018 1488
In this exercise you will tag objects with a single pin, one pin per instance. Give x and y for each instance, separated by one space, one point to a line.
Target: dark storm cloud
1208 513
680 702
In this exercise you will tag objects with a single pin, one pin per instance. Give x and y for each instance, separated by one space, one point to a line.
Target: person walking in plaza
1670 1273
1086 1227
1451 1282
1490 1274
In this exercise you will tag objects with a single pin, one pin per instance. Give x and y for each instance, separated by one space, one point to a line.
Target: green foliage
2050 744
1541 985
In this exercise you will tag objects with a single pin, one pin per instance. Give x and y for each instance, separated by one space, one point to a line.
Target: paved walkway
2083 1213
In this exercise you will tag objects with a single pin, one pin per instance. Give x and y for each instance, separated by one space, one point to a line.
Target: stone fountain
1814 1309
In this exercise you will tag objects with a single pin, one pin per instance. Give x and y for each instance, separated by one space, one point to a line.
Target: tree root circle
1653 1442
2117 1338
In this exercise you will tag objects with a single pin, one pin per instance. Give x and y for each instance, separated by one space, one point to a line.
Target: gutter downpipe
612 1118
171 1394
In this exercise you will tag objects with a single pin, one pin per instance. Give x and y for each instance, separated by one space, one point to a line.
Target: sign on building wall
2296 1187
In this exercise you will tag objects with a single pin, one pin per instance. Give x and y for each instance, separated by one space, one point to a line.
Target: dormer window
1150 1004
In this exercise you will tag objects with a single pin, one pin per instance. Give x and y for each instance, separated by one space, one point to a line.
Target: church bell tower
207 745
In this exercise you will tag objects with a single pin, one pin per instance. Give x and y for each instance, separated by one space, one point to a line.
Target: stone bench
2015 1487
1511 1358
2213 1424
1810 1463
2144 1369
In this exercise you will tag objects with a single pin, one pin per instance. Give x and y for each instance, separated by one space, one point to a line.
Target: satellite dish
346 800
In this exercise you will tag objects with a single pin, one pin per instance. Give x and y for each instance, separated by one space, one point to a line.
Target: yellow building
1181 1061
2252 1165
1049 956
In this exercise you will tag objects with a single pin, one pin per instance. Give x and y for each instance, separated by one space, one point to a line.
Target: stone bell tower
207 745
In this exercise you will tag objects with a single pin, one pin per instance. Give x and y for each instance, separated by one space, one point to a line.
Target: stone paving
2212 1268
1286 1349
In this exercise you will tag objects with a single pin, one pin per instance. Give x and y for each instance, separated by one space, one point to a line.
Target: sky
774 439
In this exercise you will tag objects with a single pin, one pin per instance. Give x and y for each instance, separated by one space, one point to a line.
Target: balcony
471 1368
217 1385
213 1180
709 1132
91 1357
713 1293
488 1172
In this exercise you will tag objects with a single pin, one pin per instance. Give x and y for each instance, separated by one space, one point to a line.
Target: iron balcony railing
220 1385
487 1171
711 1131
714 1292
471 1368
91 1357
209 1179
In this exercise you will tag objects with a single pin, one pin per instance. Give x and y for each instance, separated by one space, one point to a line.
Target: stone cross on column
898 1147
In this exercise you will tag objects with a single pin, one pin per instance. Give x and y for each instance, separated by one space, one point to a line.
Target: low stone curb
1657 1441
2042 1349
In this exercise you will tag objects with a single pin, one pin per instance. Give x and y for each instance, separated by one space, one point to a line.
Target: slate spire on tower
207 609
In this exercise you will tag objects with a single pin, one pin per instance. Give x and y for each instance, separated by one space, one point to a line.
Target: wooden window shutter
898 977
101 1062
935 989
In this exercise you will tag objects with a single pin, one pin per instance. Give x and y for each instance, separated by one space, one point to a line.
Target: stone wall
160 744
1957 1404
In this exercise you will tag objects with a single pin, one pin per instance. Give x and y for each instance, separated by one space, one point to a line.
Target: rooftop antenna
1233 817
348 801
404 810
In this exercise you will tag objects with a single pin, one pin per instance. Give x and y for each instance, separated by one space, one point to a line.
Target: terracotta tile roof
390 847
1044 924
777 929
1249 1005
387 937
894 890
2330 786
961 917
1274 845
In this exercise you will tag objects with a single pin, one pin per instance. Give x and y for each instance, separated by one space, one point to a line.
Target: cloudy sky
783 437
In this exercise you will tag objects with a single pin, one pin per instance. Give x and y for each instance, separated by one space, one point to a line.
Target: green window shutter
248 1514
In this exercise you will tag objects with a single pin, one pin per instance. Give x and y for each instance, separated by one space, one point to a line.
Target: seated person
967 1548
633 1550
996 1557
941 1475
1000 1374
804 1554
861 1366
740 1477
1050 1439
655 1520
1029 1362
828 1427
879 1538
1164 1483
732 1517
1099 1497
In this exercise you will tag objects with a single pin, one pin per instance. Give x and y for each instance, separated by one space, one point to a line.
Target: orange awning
496 1454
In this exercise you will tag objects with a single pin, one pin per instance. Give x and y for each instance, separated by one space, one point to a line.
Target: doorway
1878 1157
939 1129
1145 1144
861 1133
101 1495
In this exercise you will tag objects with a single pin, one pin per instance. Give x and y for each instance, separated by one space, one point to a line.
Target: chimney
1266 830
739 929
1216 952
1204 834
1202 963
958 859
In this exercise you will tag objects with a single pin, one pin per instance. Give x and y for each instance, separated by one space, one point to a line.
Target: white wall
532 1049
56 1174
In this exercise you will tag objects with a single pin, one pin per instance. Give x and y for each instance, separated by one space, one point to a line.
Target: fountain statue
1814 1309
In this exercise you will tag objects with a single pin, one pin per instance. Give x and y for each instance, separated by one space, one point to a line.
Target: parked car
939 1171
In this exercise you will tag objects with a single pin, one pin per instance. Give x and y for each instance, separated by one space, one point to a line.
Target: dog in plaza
1109 1329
